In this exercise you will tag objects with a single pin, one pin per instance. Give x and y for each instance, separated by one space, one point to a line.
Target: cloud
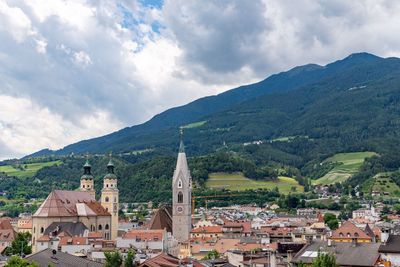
110 64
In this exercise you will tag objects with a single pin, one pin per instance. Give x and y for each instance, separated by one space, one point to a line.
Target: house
7 234
346 254
49 257
348 232
74 245
144 239
24 225
390 250
207 231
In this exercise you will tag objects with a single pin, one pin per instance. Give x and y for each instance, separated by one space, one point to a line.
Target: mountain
333 102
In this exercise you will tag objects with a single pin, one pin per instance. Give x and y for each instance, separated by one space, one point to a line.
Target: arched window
341 234
100 227
356 235
180 183
106 199
34 229
115 199
83 186
180 197
106 185
107 227
348 235
41 230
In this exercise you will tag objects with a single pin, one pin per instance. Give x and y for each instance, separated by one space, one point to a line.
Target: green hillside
237 182
26 170
349 164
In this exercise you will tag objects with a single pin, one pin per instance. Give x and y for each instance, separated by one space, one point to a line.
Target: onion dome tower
110 199
87 182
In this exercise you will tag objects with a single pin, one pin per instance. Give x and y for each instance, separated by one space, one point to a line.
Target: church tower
181 197
110 200
87 183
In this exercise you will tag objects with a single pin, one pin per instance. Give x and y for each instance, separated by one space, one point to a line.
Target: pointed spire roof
181 169
181 145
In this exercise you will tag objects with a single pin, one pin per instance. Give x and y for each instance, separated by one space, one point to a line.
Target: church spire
181 145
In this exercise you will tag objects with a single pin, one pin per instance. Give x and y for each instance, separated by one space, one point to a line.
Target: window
106 199
100 227
115 199
107 227
356 235
180 183
41 230
348 235
180 197
34 229
83 186
106 185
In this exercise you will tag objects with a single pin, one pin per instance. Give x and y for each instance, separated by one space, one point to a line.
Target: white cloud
117 64
26 127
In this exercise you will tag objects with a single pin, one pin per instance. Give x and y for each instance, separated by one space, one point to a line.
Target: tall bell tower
181 198
110 200
87 182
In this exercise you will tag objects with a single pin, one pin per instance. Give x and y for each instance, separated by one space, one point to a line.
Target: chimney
272 259
289 256
384 235
329 242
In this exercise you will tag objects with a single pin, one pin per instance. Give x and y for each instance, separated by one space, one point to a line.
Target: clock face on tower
179 209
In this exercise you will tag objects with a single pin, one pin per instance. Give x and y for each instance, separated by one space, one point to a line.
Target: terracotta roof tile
145 234
208 230
62 203
349 230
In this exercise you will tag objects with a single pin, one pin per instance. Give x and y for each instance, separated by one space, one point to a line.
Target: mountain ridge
299 77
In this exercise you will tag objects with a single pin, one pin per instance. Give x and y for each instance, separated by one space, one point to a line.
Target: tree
113 259
324 260
129 260
211 255
16 261
331 220
20 245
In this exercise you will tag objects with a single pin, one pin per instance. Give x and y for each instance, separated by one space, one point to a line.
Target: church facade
81 206
181 198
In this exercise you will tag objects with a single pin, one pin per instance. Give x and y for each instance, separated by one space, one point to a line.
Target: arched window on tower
180 197
107 227
180 183
106 199
100 227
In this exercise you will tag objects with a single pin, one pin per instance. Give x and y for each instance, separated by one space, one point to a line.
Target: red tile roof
349 230
208 230
76 240
145 234
62 203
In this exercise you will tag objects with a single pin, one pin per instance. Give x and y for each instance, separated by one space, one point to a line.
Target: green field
349 165
26 170
194 125
383 183
237 182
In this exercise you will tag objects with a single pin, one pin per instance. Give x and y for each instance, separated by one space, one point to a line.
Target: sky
77 69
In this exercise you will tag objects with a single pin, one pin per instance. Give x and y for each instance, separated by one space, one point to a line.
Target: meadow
349 164
237 182
26 170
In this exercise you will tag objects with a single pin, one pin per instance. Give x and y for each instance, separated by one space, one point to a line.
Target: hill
279 98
